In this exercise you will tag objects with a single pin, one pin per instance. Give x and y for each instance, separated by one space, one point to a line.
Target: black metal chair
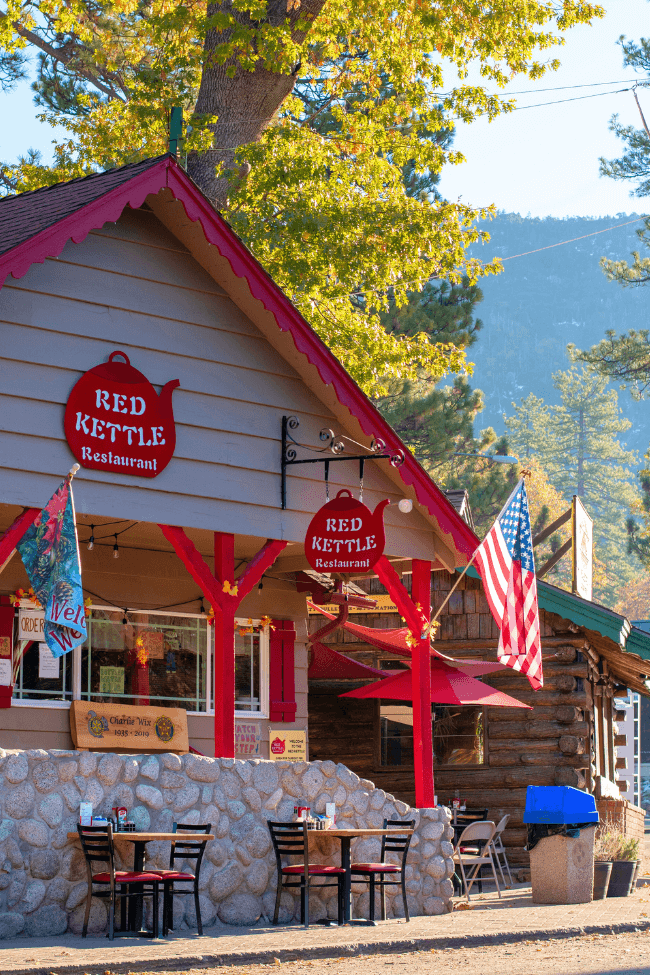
396 872
97 845
291 840
183 849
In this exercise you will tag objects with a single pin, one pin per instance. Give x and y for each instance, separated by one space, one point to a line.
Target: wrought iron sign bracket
334 448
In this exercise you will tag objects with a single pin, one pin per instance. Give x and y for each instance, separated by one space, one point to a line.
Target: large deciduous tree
304 116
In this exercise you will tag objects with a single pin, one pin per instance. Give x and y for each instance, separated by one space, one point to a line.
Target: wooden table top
151 837
361 831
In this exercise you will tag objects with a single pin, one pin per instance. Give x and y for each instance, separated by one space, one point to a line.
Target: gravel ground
587 955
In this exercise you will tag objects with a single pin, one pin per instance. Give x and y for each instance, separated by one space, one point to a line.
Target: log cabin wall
568 738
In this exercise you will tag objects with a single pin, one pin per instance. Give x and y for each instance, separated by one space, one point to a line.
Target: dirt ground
587 955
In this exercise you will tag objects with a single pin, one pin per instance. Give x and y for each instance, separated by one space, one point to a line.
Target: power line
407 284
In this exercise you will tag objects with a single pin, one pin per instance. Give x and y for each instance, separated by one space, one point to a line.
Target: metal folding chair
474 849
500 850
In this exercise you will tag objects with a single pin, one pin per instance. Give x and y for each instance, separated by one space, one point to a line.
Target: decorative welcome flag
50 554
505 560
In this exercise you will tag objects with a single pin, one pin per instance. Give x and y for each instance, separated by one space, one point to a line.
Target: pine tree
578 445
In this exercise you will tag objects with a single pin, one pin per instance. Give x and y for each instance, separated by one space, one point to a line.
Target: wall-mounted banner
247 738
345 535
385 604
287 746
50 553
115 420
583 550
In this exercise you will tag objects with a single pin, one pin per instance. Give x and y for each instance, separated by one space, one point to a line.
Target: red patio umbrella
448 686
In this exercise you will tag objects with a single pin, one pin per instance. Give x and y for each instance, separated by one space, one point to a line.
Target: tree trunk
246 102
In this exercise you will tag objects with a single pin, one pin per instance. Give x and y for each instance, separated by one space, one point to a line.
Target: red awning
394 641
448 686
327 663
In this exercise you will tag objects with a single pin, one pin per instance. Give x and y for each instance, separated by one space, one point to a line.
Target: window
458 734
35 660
251 668
146 658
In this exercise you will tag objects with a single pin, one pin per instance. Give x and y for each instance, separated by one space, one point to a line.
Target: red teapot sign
115 421
345 535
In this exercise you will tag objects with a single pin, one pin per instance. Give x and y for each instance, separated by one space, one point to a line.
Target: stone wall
43 874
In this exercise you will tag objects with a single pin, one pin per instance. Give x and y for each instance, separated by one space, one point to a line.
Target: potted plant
615 862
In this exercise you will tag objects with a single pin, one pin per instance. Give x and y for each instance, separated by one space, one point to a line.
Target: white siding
133 286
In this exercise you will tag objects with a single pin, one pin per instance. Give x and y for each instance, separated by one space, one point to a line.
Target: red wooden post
224 604
15 532
224 650
421 669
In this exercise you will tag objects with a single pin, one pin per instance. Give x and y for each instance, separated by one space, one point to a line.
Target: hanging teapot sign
115 421
345 535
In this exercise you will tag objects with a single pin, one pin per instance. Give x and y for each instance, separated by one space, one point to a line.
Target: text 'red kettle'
115 421
345 535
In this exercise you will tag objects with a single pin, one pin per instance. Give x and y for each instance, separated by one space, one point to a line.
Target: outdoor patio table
139 841
346 836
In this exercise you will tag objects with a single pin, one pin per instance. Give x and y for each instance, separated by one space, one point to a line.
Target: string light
202 606
116 550
125 619
91 540
260 586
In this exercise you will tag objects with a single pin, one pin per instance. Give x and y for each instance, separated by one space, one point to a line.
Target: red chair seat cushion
473 850
125 877
317 869
174 875
375 868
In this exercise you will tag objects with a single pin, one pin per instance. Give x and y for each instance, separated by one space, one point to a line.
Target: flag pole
524 474
454 587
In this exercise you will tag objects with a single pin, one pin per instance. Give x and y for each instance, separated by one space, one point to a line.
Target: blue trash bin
561 825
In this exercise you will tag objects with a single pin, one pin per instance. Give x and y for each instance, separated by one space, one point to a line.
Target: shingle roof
23 216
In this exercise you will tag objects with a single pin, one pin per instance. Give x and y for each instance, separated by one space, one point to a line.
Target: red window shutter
282 684
7 614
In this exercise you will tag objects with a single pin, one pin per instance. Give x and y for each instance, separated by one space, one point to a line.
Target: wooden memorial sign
115 420
124 727
345 535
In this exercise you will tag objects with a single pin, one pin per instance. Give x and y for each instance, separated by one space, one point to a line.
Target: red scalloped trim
167 172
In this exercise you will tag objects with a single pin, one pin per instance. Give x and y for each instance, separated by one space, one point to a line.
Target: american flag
505 560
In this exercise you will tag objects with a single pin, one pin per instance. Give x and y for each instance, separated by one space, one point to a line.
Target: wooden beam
553 527
260 564
195 564
421 678
554 559
389 578
15 532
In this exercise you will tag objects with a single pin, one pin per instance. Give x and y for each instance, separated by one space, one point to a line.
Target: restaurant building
487 756
141 339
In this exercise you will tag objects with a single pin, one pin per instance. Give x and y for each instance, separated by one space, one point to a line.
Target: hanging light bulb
405 506
125 619
202 606
116 551
91 540
260 586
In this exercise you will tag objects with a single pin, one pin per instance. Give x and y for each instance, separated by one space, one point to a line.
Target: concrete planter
620 882
602 873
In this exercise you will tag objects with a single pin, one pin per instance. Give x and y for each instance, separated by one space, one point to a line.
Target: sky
544 161
538 161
